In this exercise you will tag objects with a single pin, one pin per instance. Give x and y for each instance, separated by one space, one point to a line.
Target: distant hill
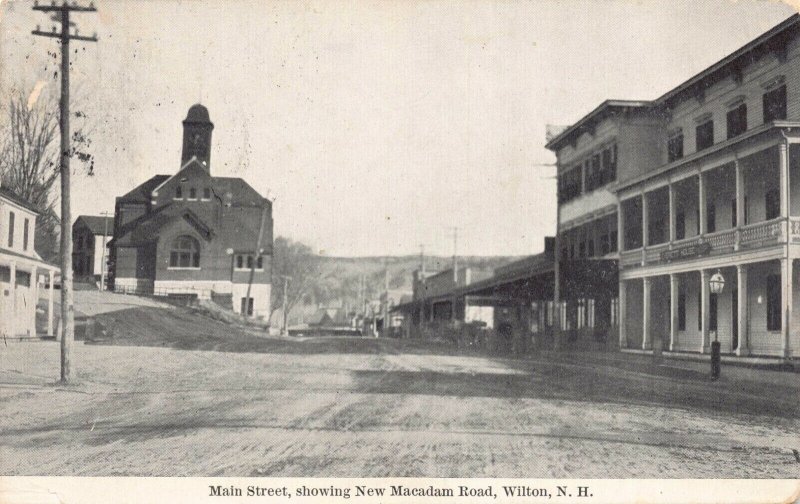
338 285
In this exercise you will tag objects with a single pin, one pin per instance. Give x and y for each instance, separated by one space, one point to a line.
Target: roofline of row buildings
704 79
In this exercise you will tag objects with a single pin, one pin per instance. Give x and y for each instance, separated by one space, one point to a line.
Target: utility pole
455 255
256 256
385 327
285 304
61 14
102 287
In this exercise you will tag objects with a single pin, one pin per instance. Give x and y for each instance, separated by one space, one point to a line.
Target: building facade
509 309
710 188
90 237
23 274
192 234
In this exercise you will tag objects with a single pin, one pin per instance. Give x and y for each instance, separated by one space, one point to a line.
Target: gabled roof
142 192
241 194
191 162
96 224
588 122
19 200
145 229
771 40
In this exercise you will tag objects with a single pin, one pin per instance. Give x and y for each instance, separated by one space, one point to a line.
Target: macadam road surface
386 411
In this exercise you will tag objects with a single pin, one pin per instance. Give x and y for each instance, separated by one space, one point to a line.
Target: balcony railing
652 254
794 229
751 236
630 258
722 240
762 234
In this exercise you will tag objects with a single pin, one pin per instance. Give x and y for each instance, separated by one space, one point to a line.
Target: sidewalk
681 368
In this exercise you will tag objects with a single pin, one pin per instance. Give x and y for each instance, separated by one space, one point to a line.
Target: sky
379 126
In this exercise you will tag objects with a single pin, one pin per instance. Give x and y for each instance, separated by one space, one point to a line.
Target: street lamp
716 284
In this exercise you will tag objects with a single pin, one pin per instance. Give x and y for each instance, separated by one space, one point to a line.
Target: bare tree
298 261
29 158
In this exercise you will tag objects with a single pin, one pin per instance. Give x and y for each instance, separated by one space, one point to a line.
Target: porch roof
9 256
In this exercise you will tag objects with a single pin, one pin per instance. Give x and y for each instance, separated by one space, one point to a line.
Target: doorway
735 320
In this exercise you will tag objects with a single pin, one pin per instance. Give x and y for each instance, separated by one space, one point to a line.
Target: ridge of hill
340 277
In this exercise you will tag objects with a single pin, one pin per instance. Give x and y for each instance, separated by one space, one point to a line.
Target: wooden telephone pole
103 267
61 15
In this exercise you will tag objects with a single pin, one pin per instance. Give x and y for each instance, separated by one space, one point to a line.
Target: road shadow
687 389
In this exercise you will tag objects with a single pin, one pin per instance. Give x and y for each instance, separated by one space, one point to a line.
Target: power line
67 309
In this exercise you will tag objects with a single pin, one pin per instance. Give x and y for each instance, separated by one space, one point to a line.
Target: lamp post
716 284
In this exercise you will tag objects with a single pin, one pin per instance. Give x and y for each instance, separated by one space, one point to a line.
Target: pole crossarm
64 7
58 36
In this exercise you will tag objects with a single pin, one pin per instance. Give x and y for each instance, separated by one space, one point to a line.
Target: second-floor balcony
744 205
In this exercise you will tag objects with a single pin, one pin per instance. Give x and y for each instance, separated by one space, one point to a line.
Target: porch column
786 301
51 275
646 318
645 227
705 296
620 228
672 232
623 314
740 189
783 168
673 310
741 303
701 191
35 292
12 327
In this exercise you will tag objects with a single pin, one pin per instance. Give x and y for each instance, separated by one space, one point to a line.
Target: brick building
193 234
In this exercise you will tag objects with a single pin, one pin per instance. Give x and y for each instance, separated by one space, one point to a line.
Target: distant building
193 234
22 271
514 301
90 237
329 317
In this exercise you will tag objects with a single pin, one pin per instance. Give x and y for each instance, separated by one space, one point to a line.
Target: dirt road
169 412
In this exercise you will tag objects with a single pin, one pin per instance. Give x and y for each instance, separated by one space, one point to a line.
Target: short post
716 360
716 285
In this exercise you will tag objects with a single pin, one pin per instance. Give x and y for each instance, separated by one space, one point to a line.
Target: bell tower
197 129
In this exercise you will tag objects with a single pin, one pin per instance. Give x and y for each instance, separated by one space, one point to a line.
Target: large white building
704 180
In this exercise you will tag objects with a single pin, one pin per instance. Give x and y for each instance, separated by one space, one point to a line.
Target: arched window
185 253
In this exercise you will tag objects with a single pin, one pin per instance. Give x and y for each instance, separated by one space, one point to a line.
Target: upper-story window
608 172
737 120
185 253
179 192
775 104
570 184
11 217
192 193
245 262
601 168
675 145
25 225
207 193
704 135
